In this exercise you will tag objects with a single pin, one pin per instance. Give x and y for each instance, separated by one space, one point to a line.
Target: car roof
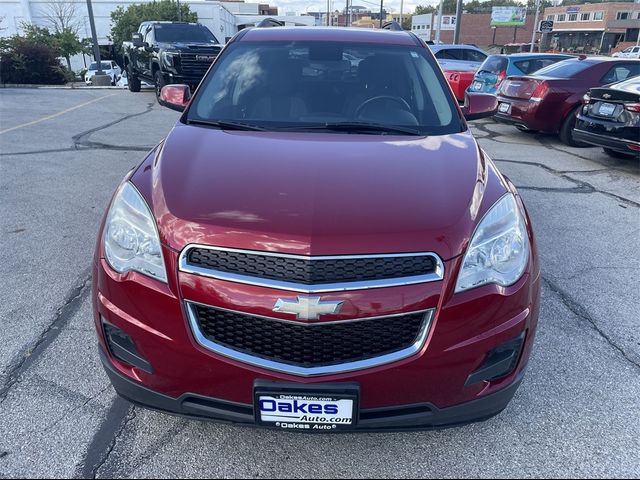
454 46
631 85
329 34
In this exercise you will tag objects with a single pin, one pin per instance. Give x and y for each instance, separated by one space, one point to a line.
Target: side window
620 72
474 56
441 54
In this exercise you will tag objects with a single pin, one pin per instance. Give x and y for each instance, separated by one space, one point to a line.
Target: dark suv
162 53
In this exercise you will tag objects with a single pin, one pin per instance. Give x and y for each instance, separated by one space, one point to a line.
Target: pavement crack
73 410
82 139
104 441
30 353
581 187
581 312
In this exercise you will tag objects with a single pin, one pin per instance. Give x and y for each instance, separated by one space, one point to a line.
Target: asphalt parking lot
62 154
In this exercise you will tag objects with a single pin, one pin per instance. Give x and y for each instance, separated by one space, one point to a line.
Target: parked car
549 100
610 118
162 53
498 67
459 82
458 58
109 67
629 52
318 252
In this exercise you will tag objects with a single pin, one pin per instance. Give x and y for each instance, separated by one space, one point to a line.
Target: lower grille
309 349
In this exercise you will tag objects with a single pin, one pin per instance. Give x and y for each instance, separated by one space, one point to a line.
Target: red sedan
550 99
314 248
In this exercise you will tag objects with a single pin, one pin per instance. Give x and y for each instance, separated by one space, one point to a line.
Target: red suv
318 244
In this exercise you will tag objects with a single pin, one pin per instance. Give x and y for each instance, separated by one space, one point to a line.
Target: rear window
534 64
494 64
565 69
297 85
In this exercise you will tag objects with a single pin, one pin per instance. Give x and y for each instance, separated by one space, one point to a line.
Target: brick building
476 28
592 28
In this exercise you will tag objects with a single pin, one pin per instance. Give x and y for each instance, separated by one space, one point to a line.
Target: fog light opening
500 362
122 347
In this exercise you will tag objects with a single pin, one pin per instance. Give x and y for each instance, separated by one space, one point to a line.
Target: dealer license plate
504 107
606 109
308 412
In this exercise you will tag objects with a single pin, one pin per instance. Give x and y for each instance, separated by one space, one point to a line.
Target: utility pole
100 78
456 34
346 14
328 14
401 7
535 26
179 11
439 22
381 2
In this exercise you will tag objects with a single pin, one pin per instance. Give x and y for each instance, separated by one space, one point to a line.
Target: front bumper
423 416
436 385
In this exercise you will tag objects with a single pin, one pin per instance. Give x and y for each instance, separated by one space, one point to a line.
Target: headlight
131 240
168 58
499 250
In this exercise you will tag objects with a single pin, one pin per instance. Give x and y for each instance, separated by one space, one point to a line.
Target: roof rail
270 22
392 26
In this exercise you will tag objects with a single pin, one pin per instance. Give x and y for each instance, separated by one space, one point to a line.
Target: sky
301 6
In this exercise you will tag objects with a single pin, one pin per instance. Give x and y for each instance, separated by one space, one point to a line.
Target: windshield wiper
358 127
225 125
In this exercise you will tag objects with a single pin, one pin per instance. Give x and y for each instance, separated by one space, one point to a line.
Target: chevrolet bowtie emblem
307 308
606 95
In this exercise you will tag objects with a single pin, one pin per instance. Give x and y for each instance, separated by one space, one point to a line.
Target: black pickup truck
161 53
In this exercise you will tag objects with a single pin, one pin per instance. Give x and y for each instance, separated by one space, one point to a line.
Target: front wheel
159 78
566 130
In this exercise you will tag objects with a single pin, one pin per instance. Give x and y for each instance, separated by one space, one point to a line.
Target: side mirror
136 39
479 105
175 97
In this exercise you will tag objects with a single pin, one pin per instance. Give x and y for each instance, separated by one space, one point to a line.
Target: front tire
133 83
566 130
159 78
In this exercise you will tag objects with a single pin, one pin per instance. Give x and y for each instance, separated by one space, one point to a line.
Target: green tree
65 42
69 44
125 21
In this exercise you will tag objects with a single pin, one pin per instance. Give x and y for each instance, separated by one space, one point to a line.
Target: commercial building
592 28
224 19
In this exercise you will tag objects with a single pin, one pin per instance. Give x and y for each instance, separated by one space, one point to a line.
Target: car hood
317 193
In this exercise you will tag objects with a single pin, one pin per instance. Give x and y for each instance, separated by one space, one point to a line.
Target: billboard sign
508 16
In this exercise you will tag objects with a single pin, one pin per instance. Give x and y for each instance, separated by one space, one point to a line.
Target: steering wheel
399 100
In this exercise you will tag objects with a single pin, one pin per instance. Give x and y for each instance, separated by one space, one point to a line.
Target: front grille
193 64
310 270
309 345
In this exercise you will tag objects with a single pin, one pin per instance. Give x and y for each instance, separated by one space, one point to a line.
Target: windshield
564 69
174 33
295 85
105 66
